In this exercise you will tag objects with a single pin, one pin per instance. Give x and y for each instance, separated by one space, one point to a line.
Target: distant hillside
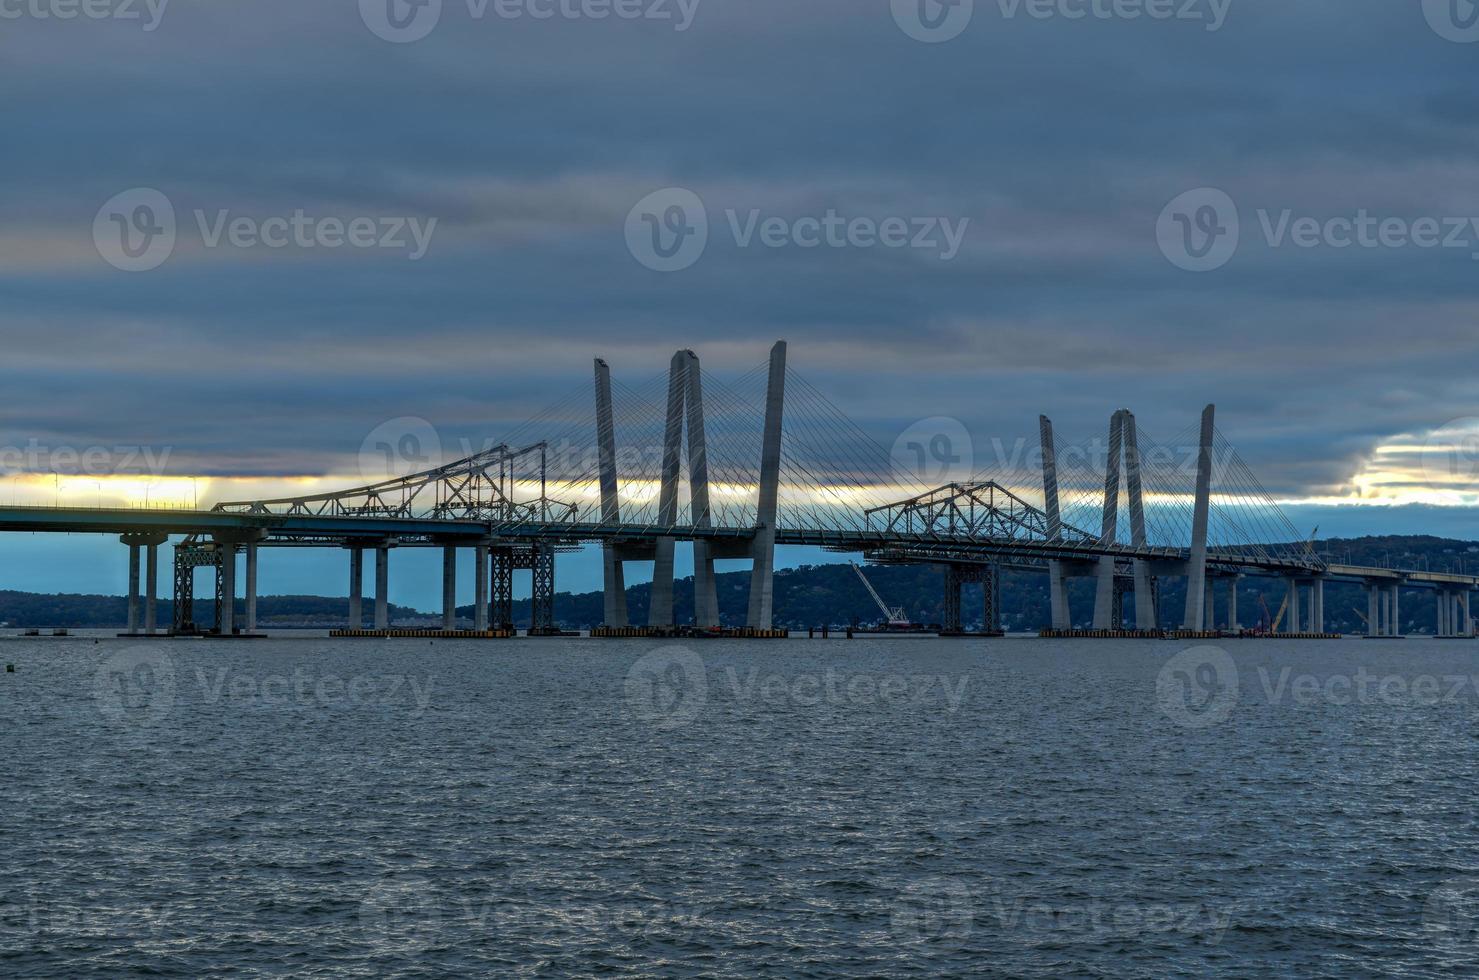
816 595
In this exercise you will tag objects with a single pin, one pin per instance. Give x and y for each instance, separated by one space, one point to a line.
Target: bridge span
780 477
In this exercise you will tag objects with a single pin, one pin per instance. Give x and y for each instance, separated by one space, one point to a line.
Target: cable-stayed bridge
736 468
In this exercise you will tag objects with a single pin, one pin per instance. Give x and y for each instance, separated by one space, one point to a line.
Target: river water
879 807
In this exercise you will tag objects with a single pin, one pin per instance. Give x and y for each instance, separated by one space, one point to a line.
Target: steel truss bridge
736 469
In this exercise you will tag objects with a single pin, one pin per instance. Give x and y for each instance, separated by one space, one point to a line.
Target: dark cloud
529 142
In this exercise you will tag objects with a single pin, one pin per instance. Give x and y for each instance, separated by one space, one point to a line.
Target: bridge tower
1196 571
762 577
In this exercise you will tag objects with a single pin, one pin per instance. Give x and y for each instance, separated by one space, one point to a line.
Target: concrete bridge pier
147 609
1317 605
356 587
449 587
1232 602
1210 607
1394 610
382 585
1291 615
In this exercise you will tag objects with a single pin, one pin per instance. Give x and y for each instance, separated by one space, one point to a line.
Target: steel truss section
188 558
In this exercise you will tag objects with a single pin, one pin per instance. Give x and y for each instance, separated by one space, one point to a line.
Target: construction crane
1270 621
893 617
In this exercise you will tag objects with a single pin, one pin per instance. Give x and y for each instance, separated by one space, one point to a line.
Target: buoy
10 668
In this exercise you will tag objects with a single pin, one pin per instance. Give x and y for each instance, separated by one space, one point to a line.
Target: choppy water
878 807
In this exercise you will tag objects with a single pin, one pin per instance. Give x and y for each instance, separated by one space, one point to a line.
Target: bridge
735 470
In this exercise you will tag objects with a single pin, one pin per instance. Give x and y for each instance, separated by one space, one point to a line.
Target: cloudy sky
244 235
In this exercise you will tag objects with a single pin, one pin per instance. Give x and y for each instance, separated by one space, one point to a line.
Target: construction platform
500 634
1052 634
686 633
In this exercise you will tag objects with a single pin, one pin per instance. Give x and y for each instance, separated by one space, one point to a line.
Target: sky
241 239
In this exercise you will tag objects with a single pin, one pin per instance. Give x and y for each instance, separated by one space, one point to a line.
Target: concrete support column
1057 585
133 588
660 610
762 576
449 587
251 587
1144 593
226 616
151 589
1394 614
1386 611
1058 596
1291 619
614 590
705 586
1466 621
1317 606
480 585
1197 567
1109 530
356 588
1373 615
1443 606
382 587
1232 602
1210 607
